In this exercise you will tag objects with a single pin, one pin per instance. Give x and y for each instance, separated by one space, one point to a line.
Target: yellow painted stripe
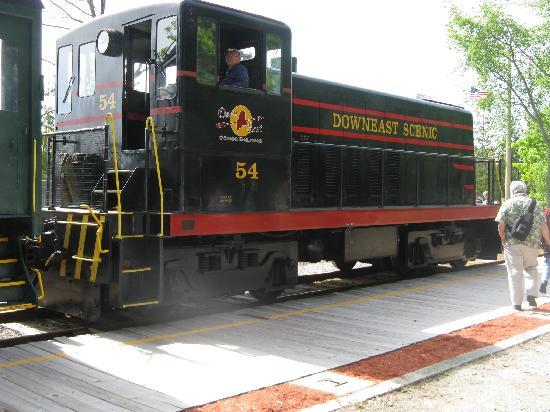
80 251
8 284
319 308
16 307
63 266
147 269
32 360
371 298
232 325
66 222
194 331
130 305
85 259
3 261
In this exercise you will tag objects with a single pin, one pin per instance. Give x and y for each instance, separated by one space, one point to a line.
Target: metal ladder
17 287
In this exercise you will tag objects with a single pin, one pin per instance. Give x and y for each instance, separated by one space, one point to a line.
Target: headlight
109 42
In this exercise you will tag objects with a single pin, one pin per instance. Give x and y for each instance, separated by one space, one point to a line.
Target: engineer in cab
236 74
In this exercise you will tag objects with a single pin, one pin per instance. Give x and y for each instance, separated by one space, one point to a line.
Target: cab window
86 74
248 43
9 76
166 57
273 64
207 31
65 79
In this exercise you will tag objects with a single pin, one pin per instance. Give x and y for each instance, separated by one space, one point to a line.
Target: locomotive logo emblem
241 122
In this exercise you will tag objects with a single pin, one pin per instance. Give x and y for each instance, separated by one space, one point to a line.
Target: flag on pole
477 94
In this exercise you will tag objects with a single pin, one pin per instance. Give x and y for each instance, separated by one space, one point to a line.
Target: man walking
521 255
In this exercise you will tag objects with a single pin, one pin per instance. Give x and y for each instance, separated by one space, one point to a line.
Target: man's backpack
523 224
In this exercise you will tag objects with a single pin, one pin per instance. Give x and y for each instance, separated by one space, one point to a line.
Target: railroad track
41 324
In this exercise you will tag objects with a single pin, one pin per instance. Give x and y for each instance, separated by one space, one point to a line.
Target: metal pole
49 174
508 175
52 206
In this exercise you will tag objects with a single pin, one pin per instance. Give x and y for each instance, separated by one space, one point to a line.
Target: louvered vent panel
392 176
302 163
330 167
375 172
352 170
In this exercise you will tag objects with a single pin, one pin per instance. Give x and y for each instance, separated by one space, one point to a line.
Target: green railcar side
20 148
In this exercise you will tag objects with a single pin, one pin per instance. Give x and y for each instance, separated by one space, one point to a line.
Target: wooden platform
175 365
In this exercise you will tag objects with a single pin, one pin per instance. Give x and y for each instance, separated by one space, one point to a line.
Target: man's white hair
517 186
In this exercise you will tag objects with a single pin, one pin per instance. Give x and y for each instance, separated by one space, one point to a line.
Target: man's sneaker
532 301
517 307
543 287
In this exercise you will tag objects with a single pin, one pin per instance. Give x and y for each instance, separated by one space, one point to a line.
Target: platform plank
99 380
21 399
192 361
68 380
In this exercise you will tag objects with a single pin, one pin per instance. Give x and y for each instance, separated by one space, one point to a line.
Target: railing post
417 180
105 167
489 183
448 179
382 179
341 203
49 171
54 200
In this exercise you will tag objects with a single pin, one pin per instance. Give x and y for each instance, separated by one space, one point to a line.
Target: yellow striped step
136 270
10 284
17 307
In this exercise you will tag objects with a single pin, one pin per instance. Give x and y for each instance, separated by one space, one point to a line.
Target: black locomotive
164 185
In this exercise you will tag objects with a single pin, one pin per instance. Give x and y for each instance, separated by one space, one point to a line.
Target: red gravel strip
284 397
440 348
288 397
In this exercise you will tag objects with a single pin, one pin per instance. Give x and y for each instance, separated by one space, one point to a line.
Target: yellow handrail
39 274
110 117
99 232
151 123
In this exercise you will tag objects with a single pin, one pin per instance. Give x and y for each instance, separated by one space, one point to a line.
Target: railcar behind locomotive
164 185
20 32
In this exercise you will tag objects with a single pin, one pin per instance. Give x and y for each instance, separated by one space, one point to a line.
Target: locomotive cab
221 148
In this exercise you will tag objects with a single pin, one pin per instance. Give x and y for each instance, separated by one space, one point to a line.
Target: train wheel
458 264
343 266
265 296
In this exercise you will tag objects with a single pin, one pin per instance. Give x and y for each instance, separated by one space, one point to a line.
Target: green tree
495 45
534 161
